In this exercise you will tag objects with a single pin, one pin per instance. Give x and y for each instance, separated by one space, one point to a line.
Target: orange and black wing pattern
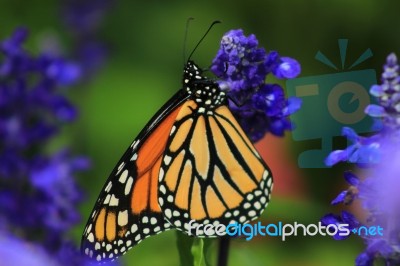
191 162
211 173
127 209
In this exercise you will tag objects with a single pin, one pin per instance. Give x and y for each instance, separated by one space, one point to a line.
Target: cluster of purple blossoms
242 68
38 192
378 192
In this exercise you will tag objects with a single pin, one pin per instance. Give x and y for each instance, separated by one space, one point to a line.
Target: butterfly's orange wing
127 209
211 172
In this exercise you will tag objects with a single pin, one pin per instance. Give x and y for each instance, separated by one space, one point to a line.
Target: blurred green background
144 67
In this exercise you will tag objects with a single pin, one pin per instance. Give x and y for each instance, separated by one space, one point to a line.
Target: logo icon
331 101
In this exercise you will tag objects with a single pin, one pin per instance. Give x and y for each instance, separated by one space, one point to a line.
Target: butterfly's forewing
127 209
211 172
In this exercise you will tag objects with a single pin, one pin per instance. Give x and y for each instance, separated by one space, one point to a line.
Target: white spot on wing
90 238
123 176
162 189
128 185
172 130
263 200
167 159
134 228
168 213
134 144
161 174
170 198
123 218
89 228
252 213
107 200
114 201
177 223
120 167
269 182
108 187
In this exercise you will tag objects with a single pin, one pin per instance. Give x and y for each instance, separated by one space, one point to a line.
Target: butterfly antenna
202 38
185 38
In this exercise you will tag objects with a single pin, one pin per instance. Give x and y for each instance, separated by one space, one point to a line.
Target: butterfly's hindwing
211 172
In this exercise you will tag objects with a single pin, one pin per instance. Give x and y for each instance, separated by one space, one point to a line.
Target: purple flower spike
351 178
340 198
345 218
38 192
242 68
364 260
378 193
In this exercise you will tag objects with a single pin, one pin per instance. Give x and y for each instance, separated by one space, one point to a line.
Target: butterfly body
192 161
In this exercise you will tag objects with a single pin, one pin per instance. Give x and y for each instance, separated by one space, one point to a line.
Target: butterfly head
205 91
192 73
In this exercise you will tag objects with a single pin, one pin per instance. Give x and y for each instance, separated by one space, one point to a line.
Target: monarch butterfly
192 161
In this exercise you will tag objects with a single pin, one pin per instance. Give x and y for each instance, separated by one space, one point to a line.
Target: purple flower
388 95
24 100
50 195
242 68
345 218
69 253
378 192
364 150
375 248
287 68
14 251
347 196
51 178
364 260
38 192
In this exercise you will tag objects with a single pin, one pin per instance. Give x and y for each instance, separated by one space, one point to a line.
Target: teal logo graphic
330 102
